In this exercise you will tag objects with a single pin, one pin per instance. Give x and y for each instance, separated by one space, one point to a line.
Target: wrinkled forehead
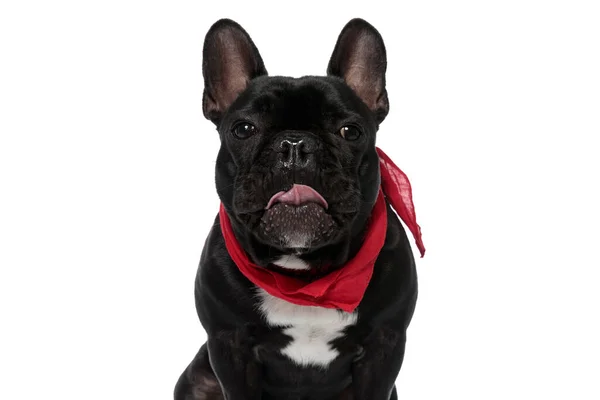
301 102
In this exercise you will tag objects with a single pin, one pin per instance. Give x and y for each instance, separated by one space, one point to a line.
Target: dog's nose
295 150
292 151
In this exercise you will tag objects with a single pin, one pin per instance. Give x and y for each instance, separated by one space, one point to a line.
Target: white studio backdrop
107 187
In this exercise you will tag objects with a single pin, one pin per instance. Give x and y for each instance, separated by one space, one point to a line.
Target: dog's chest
312 329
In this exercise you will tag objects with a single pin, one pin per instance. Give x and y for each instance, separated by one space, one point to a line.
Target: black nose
296 150
292 151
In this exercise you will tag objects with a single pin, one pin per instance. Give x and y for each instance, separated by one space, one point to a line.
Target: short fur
259 347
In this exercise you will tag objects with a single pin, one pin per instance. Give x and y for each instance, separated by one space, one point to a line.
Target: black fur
242 359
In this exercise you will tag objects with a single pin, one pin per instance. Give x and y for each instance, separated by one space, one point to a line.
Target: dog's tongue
298 194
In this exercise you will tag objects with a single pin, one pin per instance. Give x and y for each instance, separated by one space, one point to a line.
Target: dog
307 281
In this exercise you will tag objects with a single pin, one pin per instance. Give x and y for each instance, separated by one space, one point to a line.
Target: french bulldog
299 179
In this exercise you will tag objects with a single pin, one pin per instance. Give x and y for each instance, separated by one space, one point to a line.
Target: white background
107 192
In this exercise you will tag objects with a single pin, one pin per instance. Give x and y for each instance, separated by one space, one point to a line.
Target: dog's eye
350 132
244 130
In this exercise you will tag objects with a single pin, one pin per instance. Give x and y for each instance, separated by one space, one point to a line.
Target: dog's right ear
230 61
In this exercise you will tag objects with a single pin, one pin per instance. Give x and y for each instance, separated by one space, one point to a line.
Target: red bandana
345 287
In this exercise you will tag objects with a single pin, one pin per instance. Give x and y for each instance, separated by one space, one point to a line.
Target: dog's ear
230 61
359 58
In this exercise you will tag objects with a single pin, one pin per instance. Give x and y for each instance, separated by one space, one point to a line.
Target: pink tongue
298 194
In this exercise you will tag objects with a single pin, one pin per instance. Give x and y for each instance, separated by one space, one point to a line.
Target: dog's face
297 170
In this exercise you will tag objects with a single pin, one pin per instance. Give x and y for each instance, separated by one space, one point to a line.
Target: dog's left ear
359 58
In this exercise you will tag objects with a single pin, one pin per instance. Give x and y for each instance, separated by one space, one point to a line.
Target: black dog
299 178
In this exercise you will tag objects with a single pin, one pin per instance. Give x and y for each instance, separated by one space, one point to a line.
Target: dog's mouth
297 196
297 218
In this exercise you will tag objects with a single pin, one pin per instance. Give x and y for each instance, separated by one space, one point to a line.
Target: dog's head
297 170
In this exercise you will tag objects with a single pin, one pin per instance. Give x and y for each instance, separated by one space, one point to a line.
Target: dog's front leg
235 366
374 374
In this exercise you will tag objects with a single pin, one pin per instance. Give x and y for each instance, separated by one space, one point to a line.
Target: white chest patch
311 328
